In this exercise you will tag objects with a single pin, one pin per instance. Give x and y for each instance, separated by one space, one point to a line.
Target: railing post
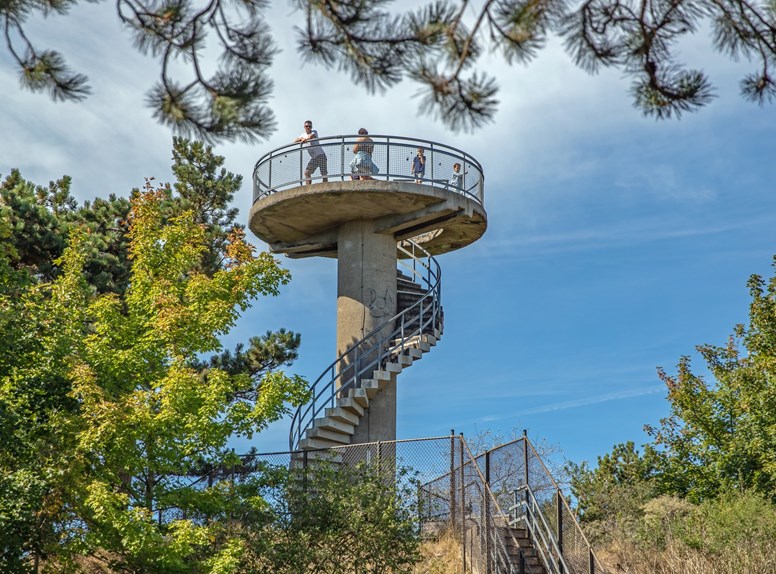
270 173
301 161
342 159
387 159
431 153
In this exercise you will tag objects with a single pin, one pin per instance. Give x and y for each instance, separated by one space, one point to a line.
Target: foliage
734 534
438 45
110 419
611 496
337 519
719 436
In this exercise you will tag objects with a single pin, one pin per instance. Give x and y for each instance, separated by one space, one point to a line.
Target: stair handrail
483 484
325 390
533 511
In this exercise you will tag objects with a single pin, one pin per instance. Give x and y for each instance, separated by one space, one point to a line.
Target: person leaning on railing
362 166
318 159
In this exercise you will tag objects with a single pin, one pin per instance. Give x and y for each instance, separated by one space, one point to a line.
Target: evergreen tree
437 45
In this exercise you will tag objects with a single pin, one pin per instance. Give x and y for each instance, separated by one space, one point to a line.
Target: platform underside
303 221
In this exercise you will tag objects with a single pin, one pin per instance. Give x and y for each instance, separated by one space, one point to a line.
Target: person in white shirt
318 159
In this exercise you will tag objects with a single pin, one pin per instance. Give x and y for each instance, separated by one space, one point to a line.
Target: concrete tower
385 319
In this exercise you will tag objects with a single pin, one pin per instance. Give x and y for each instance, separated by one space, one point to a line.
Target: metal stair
341 394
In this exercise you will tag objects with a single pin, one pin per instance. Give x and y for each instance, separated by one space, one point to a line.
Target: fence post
463 503
487 527
590 561
559 502
379 453
452 478
526 474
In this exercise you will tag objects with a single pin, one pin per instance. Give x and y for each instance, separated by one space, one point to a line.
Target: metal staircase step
341 415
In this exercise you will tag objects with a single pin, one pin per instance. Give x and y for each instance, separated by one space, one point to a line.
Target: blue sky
615 243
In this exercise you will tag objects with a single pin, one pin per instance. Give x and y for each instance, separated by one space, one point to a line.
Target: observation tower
384 232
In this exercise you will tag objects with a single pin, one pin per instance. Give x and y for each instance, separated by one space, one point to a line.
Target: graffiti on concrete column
379 306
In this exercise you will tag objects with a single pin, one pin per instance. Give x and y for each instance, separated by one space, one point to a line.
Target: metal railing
454 498
516 479
502 507
285 167
378 347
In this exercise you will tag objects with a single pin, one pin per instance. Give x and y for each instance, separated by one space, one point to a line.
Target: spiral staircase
340 396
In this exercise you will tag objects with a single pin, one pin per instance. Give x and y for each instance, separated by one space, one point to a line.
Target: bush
735 534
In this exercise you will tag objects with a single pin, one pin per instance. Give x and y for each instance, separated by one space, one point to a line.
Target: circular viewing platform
303 193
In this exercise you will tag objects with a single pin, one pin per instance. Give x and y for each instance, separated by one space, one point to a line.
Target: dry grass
677 558
440 556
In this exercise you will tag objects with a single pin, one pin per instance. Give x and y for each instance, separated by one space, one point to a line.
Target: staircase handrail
328 391
563 501
487 490
545 548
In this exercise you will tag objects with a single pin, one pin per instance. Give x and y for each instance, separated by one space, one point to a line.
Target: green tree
334 519
437 45
108 409
610 497
720 435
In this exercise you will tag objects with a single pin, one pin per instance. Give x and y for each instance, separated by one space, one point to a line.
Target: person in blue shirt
419 165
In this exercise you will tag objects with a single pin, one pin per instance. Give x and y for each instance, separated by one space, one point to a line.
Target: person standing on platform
419 165
362 166
456 179
318 159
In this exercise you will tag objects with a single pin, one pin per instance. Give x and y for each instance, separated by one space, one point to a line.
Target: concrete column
366 298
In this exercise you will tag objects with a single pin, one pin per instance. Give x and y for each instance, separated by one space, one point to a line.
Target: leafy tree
610 497
109 414
718 438
437 45
720 435
334 519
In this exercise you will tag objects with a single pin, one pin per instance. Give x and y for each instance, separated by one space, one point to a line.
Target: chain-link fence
502 506
392 156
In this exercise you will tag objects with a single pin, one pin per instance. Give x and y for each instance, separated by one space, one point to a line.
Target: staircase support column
366 297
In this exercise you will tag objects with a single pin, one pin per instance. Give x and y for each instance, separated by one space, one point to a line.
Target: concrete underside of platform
305 221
